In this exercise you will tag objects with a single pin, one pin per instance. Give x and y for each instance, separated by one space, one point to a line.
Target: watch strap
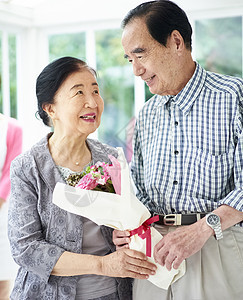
218 232
217 228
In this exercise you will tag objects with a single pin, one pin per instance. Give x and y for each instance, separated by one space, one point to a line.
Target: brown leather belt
179 219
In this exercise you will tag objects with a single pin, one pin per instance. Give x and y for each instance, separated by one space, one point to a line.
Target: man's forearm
229 216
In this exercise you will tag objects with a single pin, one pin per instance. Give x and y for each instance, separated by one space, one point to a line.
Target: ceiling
186 3
24 3
51 12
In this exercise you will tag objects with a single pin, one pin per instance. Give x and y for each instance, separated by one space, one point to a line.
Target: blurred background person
10 147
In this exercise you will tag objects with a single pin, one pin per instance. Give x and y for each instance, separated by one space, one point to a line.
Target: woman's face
78 106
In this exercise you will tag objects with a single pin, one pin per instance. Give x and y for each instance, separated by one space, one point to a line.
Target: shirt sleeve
137 170
28 245
235 197
14 148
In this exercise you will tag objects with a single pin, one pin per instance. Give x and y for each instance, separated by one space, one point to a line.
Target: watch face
213 219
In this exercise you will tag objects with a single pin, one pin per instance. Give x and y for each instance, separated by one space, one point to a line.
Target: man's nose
138 69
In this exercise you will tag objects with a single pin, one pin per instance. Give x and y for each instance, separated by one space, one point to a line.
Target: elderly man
188 158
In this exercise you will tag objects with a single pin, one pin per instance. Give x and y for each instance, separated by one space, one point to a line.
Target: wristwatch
213 221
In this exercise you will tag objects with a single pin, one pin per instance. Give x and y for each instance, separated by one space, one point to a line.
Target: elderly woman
62 255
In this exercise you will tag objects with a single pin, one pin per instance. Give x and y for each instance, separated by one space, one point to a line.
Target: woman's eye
96 92
79 92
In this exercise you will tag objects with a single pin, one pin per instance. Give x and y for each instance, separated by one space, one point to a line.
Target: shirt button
175 182
176 152
176 123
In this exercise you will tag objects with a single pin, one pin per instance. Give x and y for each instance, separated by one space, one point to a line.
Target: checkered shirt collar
187 96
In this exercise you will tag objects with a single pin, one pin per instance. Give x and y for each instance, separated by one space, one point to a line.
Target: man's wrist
213 221
204 229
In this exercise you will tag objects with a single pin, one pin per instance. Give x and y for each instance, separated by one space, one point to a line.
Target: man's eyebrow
136 50
81 85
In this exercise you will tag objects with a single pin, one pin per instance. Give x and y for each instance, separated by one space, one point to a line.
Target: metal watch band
216 227
218 232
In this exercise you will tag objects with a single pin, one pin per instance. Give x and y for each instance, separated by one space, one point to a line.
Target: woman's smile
89 117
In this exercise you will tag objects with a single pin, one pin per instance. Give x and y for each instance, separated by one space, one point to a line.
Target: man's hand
187 240
182 243
127 263
121 239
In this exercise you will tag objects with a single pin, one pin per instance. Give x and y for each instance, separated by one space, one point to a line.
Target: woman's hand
121 239
127 263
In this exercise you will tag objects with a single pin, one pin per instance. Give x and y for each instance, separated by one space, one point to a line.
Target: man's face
153 62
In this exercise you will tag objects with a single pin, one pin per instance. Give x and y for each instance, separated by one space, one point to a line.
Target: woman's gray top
39 231
92 286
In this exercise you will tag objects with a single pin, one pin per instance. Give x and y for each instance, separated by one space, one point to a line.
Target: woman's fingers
127 263
139 263
121 239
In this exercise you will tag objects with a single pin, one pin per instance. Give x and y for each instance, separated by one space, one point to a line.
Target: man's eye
79 92
96 92
130 61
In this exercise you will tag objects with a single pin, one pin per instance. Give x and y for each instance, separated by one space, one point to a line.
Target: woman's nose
90 102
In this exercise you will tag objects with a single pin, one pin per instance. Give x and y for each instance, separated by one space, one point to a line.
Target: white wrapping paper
122 212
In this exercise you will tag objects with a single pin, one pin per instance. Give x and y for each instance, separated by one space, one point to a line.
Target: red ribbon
144 232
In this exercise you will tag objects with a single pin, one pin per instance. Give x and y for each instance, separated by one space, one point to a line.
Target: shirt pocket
208 176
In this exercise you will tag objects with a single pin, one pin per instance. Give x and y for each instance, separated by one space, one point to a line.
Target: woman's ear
48 108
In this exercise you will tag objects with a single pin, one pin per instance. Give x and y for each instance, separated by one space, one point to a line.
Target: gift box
121 211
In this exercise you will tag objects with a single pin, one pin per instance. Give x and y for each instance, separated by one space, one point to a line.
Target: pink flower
87 182
97 177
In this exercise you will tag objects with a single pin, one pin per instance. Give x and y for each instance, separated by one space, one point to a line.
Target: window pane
12 75
67 45
116 83
219 45
148 94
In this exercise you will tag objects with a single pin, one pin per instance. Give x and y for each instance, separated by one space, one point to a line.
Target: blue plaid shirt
188 148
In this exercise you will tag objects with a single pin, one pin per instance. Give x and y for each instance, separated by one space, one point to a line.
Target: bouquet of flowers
96 178
120 210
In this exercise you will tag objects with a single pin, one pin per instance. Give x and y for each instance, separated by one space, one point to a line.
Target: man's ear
177 40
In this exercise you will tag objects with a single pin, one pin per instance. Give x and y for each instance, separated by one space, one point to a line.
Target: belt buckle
172 219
